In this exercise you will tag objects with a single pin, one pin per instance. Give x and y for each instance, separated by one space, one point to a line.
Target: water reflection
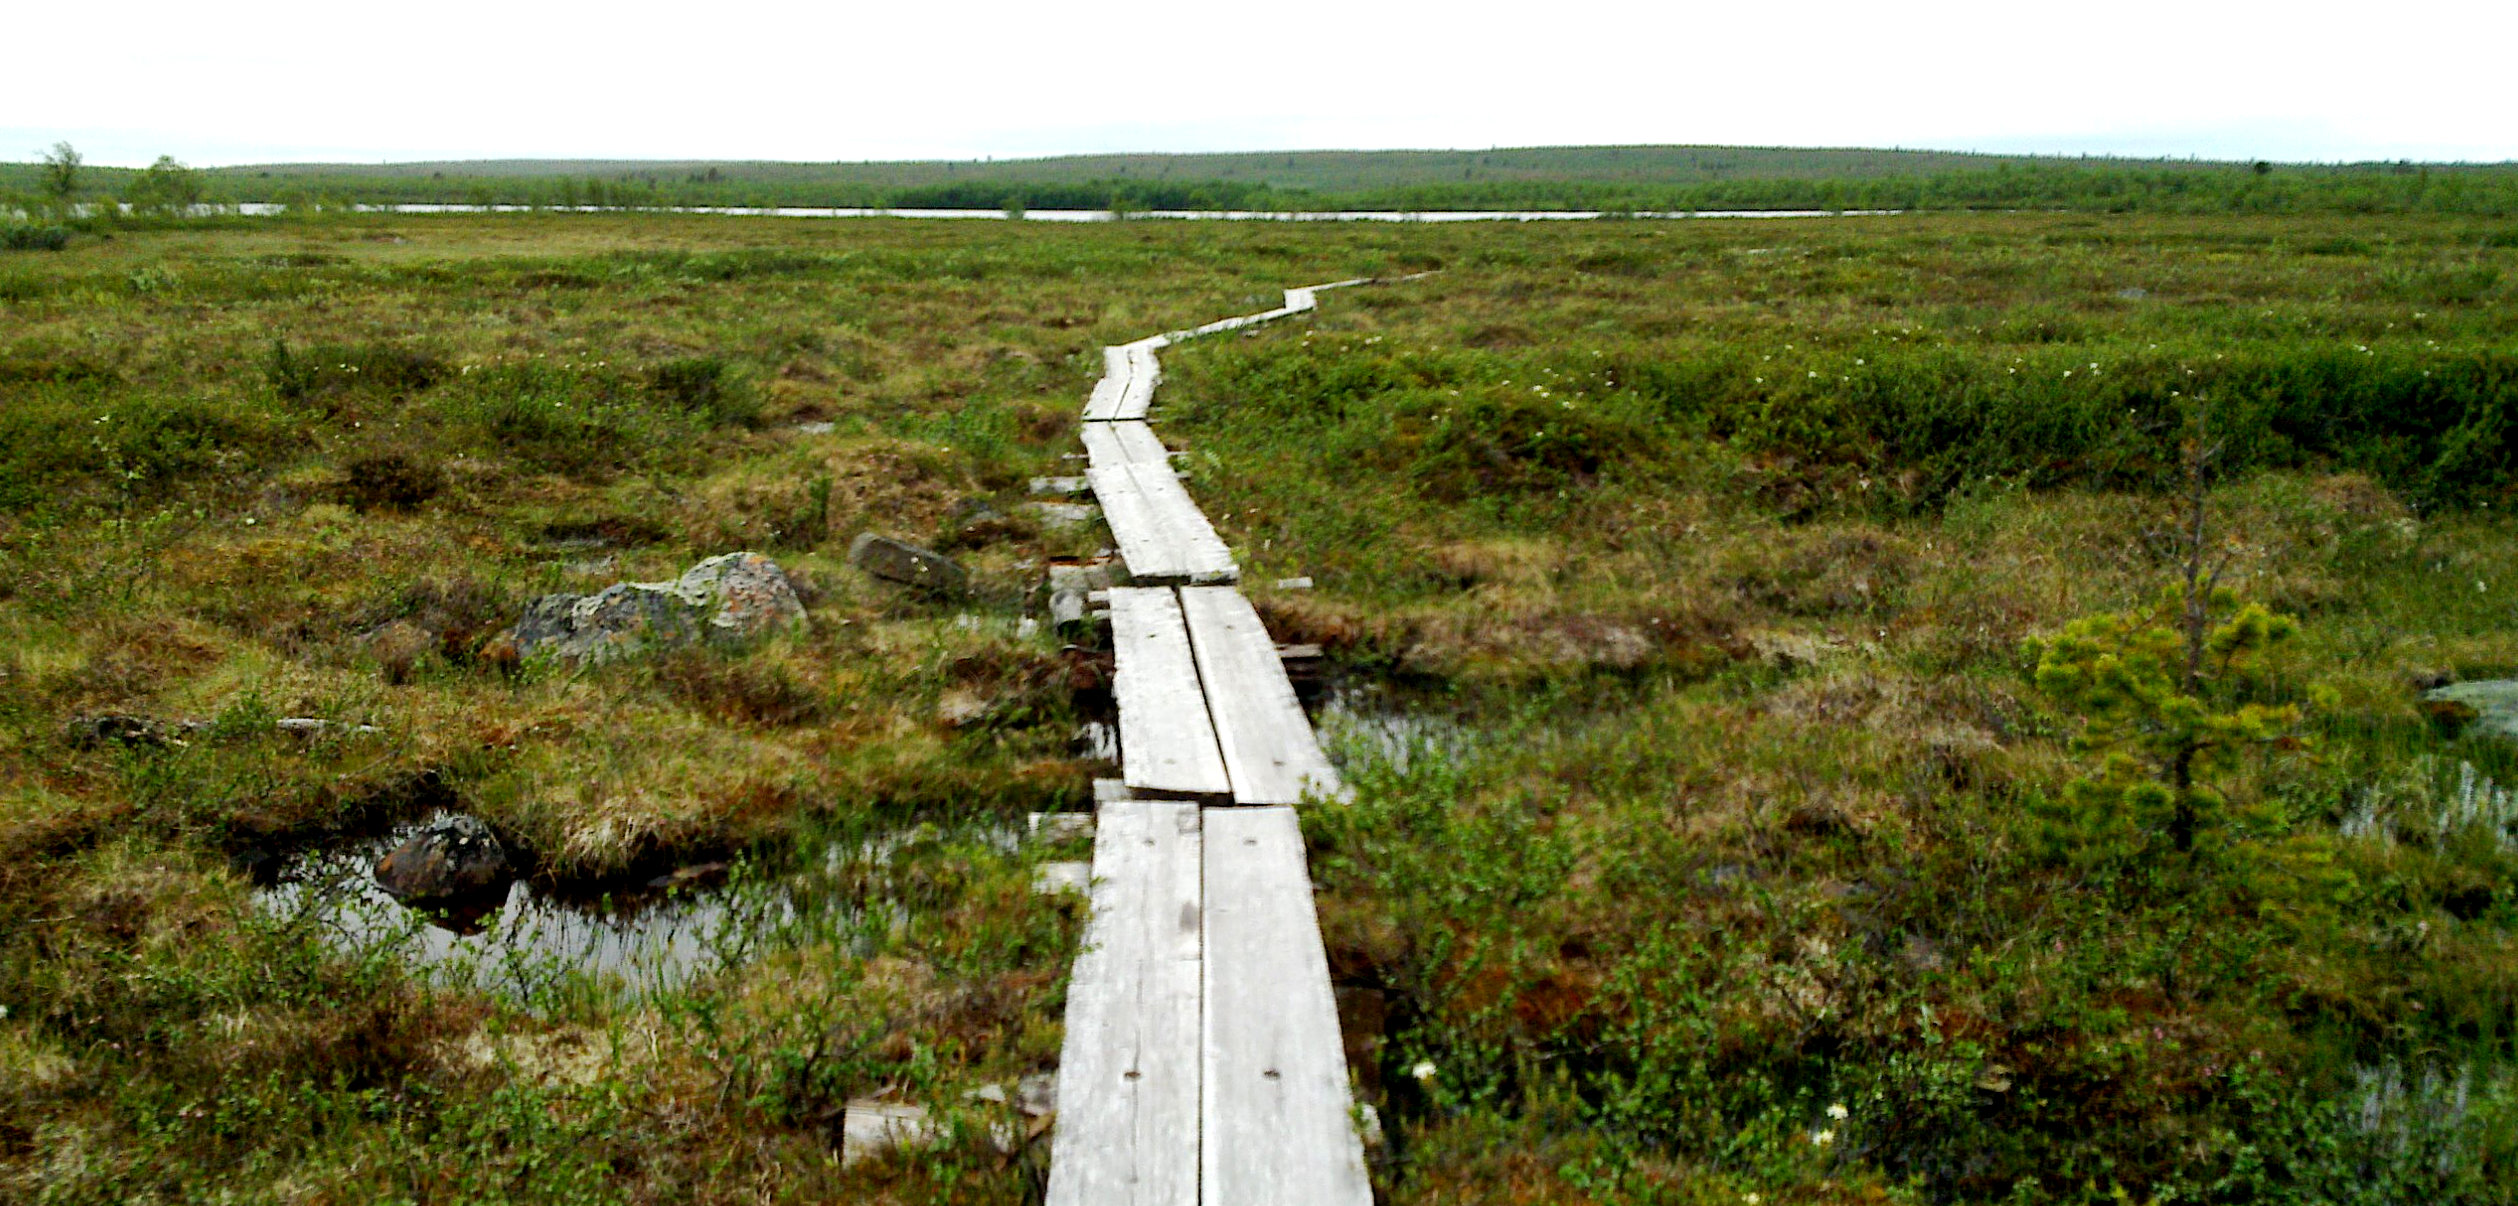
655 939
1374 722
861 891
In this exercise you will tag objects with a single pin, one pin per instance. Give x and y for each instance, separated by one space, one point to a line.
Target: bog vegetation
1916 709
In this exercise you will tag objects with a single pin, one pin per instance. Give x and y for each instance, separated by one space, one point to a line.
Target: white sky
776 79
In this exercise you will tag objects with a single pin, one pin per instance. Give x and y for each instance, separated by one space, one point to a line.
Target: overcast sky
465 79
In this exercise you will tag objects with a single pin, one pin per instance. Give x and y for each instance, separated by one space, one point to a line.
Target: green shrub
1499 440
562 419
324 375
55 441
23 236
708 388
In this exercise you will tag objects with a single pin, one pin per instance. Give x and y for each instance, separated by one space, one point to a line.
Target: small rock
1037 1094
1065 517
907 564
731 597
1293 583
1066 487
453 858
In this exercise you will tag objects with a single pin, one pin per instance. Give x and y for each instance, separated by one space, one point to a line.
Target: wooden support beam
1275 1125
1269 749
1128 1074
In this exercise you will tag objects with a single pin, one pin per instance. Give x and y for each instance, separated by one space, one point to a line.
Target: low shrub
323 374
30 237
390 479
51 443
565 419
708 388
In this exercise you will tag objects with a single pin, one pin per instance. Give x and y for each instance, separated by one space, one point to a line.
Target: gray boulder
733 597
907 564
449 860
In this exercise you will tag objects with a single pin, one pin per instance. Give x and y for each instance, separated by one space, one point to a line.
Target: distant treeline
2086 185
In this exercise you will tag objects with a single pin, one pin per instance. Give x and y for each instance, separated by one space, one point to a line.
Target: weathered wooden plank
1107 392
1234 324
1102 445
1274 1121
1166 743
1124 443
1128 1075
1300 299
1137 395
1269 749
1161 534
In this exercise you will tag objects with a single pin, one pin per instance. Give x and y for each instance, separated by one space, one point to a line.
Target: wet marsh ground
1708 839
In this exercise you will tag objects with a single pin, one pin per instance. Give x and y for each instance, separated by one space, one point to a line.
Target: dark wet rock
733 597
2483 706
898 561
453 859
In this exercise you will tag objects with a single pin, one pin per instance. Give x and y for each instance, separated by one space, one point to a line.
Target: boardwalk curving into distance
1202 1064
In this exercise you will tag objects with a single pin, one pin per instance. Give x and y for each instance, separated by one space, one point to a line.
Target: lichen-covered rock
736 596
452 859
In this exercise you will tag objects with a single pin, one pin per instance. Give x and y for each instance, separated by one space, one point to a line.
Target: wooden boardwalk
1202 1064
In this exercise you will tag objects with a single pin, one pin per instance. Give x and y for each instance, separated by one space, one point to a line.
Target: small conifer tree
2155 689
